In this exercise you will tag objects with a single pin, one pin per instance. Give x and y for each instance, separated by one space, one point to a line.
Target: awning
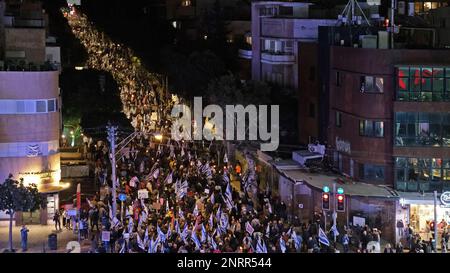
354 188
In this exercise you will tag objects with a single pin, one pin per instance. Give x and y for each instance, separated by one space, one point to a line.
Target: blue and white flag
184 233
177 227
146 237
211 221
180 213
204 234
218 214
249 228
225 177
323 239
213 243
152 247
282 245
212 198
297 240
268 231
195 213
161 234
335 230
261 246
130 225
140 243
168 179
195 239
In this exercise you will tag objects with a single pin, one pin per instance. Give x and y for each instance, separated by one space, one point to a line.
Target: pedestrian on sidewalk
56 219
24 238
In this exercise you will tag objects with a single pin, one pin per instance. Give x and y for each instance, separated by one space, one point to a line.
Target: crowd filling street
186 197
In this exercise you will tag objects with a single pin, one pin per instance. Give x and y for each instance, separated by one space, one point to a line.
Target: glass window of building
371 128
370 84
422 129
41 106
372 172
417 174
423 83
338 119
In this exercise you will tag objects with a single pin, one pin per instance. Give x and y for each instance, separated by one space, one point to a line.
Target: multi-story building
388 119
29 106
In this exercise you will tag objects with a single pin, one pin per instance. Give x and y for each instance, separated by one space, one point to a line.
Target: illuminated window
370 84
427 174
423 84
248 39
371 128
186 3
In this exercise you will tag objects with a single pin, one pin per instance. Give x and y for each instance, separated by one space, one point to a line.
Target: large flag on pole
282 245
323 239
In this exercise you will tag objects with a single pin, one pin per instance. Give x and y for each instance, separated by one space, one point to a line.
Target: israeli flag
219 214
323 239
211 221
225 158
195 239
261 246
296 239
335 230
180 213
161 234
225 177
146 237
130 225
140 243
195 213
282 245
177 227
184 233
268 231
212 198
168 179
204 234
213 243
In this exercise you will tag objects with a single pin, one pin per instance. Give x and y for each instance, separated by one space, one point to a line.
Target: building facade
30 108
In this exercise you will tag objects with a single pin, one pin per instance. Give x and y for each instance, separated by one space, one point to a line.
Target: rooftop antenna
349 13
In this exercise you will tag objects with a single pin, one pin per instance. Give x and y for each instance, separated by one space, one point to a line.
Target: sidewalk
38 239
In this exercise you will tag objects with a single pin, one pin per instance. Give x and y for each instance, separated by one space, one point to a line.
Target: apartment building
29 105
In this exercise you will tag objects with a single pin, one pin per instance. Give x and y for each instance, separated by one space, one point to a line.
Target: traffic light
325 201
340 202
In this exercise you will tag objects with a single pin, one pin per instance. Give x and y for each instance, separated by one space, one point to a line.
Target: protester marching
181 199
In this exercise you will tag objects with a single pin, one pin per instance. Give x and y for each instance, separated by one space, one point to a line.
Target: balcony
277 58
422 186
245 54
13 22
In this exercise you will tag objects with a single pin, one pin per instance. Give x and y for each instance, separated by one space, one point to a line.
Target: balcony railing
245 53
277 58
11 21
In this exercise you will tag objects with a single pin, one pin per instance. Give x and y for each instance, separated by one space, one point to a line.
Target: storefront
419 213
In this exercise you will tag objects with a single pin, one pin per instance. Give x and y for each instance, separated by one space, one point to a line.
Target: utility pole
334 211
112 133
435 222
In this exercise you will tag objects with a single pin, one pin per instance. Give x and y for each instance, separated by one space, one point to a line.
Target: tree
15 196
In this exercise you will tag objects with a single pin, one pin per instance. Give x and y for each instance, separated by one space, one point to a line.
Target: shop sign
445 198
